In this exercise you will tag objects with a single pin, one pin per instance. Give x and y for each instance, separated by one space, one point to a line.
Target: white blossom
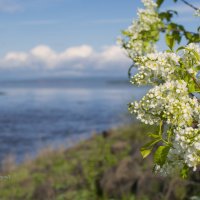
144 31
166 102
171 100
173 76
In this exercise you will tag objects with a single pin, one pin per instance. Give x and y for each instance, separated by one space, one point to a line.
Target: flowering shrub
171 103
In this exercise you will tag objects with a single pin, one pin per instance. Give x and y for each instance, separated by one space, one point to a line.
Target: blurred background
63 79
62 76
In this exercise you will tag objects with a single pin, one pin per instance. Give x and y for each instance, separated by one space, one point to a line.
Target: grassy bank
106 167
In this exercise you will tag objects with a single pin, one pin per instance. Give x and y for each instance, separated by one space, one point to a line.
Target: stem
161 128
177 30
169 134
194 79
161 132
166 142
190 5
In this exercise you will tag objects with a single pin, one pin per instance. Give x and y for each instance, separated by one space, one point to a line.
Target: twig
192 6
194 79
177 30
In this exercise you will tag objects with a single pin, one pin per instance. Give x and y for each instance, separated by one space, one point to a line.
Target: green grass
76 173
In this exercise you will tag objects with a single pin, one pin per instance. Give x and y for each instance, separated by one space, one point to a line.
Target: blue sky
83 29
62 23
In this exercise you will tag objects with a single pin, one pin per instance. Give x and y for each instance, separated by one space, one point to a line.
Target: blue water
34 114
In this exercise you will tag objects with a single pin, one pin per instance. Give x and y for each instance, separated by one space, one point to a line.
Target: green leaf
180 48
173 12
195 53
177 36
167 15
126 33
184 172
186 78
191 87
181 27
147 148
188 35
197 67
172 26
192 37
169 51
160 155
170 41
151 143
155 136
159 3
145 152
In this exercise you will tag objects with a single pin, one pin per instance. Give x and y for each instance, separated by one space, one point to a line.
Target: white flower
171 100
165 102
139 41
197 13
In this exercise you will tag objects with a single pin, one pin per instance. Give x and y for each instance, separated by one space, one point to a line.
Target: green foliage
173 31
170 41
185 172
167 16
160 155
159 2
147 148
72 173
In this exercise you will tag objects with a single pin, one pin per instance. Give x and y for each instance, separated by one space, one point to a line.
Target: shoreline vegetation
107 166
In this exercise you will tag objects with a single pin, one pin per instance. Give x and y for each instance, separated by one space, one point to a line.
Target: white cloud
83 51
74 59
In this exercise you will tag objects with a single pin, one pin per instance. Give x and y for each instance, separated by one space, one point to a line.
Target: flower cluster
144 32
185 151
155 67
171 101
168 102
187 140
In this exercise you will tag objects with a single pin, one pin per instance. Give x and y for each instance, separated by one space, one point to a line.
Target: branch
194 79
184 31
190 5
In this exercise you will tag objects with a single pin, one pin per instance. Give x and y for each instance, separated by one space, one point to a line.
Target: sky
62 38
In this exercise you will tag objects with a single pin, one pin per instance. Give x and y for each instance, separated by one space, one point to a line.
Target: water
34 114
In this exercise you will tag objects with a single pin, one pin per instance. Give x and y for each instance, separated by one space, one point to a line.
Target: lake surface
34 114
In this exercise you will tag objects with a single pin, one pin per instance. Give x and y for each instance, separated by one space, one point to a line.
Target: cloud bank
74 60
